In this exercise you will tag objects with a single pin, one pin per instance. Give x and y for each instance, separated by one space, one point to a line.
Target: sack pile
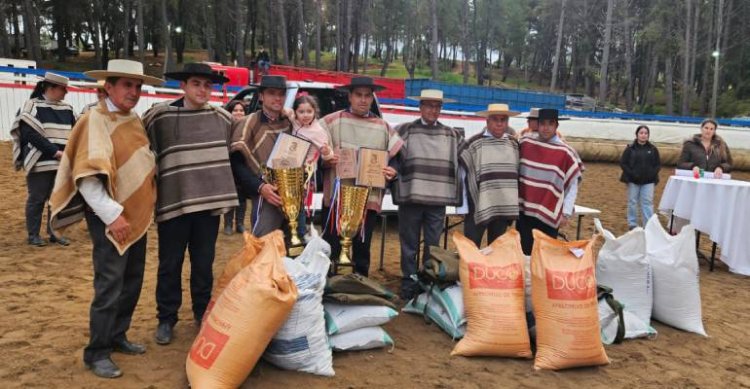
654 275
355 308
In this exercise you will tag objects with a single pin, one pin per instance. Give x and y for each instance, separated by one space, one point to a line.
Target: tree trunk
717 69
465 38
141 33
31 32
434 43
347 38
686 62
366 54
629 84
5 50
668 87
239 35
165 39
302 33
694 44
605 54
388 54
318 23
558 47
221 16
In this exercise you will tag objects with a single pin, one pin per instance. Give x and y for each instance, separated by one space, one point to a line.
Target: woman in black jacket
640 170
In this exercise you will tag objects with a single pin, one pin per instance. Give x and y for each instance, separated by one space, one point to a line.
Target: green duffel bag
356 284
441 266
605 293
358 299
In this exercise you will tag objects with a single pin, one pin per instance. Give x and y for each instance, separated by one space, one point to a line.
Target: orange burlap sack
253 246
493 290
563 294
245 317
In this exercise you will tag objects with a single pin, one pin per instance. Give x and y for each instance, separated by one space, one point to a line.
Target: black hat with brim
361 82
276 82
197 69
550 114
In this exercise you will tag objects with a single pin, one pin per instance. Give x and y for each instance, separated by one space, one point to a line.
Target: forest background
681 57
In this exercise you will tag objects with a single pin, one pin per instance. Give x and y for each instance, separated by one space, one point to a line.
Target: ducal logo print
495 277
566 285
207 346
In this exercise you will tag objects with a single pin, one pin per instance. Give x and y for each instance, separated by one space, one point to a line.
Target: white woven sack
361 339
344 318
622 266
301 344
674 263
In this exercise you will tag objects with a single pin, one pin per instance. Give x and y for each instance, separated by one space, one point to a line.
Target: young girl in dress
305 125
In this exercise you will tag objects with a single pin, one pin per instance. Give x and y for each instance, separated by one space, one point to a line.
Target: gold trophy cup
351 212
290 183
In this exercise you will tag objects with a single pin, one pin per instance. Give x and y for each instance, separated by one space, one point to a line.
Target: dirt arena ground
45 295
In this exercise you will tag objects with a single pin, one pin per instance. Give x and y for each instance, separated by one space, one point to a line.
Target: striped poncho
347 130
112 146
254 139
547 172
192 155
428 170
491 176
53 120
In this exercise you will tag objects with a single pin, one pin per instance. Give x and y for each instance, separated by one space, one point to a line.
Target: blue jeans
643 196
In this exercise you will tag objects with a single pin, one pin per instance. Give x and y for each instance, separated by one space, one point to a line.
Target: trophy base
342 268
295 251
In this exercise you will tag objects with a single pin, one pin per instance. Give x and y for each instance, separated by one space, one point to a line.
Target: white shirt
569 200
92 190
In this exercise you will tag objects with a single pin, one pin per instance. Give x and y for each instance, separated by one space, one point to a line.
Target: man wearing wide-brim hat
549 174
352 128
253 138
194 187
532 125
40 131
429 181
490 163
107 176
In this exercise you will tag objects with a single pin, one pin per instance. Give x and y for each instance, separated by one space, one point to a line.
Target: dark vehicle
329 99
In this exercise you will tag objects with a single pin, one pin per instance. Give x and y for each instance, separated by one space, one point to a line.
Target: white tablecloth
719 208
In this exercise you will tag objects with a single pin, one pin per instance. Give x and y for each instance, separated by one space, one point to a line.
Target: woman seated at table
706 151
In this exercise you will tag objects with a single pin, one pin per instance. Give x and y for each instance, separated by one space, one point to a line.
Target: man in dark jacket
640 171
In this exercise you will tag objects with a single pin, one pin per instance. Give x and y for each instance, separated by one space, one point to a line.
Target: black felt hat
550 114
362 82
277 82
197 69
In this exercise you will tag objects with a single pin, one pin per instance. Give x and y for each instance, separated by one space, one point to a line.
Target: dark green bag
356 284
605 292
441 267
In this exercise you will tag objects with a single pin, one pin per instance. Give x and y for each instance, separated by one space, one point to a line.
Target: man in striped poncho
194 187
107 175
427 183
490 162
353 128
550 173
40 133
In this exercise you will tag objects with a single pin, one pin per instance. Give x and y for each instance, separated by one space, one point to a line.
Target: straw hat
497 109
56 79
431 95
124 68
533 114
